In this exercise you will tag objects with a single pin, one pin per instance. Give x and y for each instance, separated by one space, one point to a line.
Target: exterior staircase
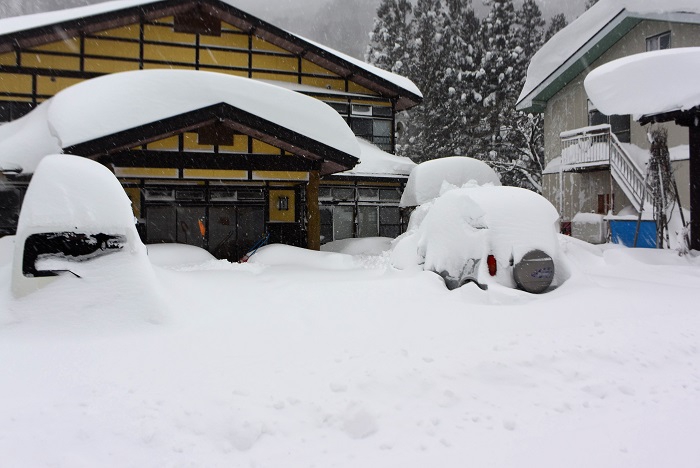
598 147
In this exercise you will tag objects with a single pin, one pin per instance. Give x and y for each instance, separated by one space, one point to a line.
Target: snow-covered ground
304 359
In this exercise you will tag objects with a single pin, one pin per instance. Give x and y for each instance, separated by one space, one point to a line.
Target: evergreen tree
497 78
391 36
427 61
531 29
461 113
556 23
590 3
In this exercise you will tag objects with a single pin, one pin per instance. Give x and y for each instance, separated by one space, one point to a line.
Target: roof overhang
592 50
323 57
326 159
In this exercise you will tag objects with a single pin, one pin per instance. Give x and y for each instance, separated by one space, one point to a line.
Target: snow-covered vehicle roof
56 25
661 77
115 103
575 47
69 199
427 179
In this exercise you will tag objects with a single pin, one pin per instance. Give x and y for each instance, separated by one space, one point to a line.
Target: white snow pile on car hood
647 83
113 103
473 222
426 180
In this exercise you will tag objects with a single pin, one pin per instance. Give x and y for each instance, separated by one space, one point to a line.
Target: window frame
654 42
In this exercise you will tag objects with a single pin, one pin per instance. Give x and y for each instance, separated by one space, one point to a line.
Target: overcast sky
341 24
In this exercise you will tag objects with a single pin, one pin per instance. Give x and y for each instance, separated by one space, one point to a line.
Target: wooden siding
37 73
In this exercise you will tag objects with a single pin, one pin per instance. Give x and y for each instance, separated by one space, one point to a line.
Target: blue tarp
623 233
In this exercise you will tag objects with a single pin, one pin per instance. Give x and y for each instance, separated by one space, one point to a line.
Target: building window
660 42
619 124
359 212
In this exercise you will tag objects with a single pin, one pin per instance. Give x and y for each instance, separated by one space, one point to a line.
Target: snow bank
383 369
177 255
426 180
113 103
661 77
359 246
280 254
577 38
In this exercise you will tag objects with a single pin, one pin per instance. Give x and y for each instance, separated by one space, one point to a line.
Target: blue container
622 232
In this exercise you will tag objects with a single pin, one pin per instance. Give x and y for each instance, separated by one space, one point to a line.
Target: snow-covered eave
33 30
332 159
536 99
613 31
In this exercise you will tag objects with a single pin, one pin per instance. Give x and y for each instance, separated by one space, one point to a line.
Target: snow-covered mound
177 255
426 180
280 254
359 246
113 103
661 77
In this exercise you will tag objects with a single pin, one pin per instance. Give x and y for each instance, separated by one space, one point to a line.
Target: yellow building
220 179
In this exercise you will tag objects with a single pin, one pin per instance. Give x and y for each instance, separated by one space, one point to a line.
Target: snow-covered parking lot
303 359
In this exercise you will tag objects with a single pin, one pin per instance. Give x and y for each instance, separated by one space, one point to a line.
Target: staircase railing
629 176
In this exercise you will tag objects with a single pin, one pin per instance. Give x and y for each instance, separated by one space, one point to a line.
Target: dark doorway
227 231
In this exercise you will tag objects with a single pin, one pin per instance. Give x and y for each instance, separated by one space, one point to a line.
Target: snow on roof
572 42
26 22
660 77
22 23
109 104
374 161
426 180
398 80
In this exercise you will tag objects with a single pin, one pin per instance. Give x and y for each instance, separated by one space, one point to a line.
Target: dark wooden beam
694 134
199 160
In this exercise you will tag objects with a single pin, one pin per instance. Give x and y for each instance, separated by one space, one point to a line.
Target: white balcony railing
588 146
598 146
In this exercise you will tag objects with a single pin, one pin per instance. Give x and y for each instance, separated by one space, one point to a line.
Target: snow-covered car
484 234
75 214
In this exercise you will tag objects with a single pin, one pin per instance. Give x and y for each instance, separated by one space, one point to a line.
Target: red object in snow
491 262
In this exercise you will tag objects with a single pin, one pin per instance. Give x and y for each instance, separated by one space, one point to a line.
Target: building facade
203 180
595 163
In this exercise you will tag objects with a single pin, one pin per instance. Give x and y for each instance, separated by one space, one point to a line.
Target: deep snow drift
285 363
